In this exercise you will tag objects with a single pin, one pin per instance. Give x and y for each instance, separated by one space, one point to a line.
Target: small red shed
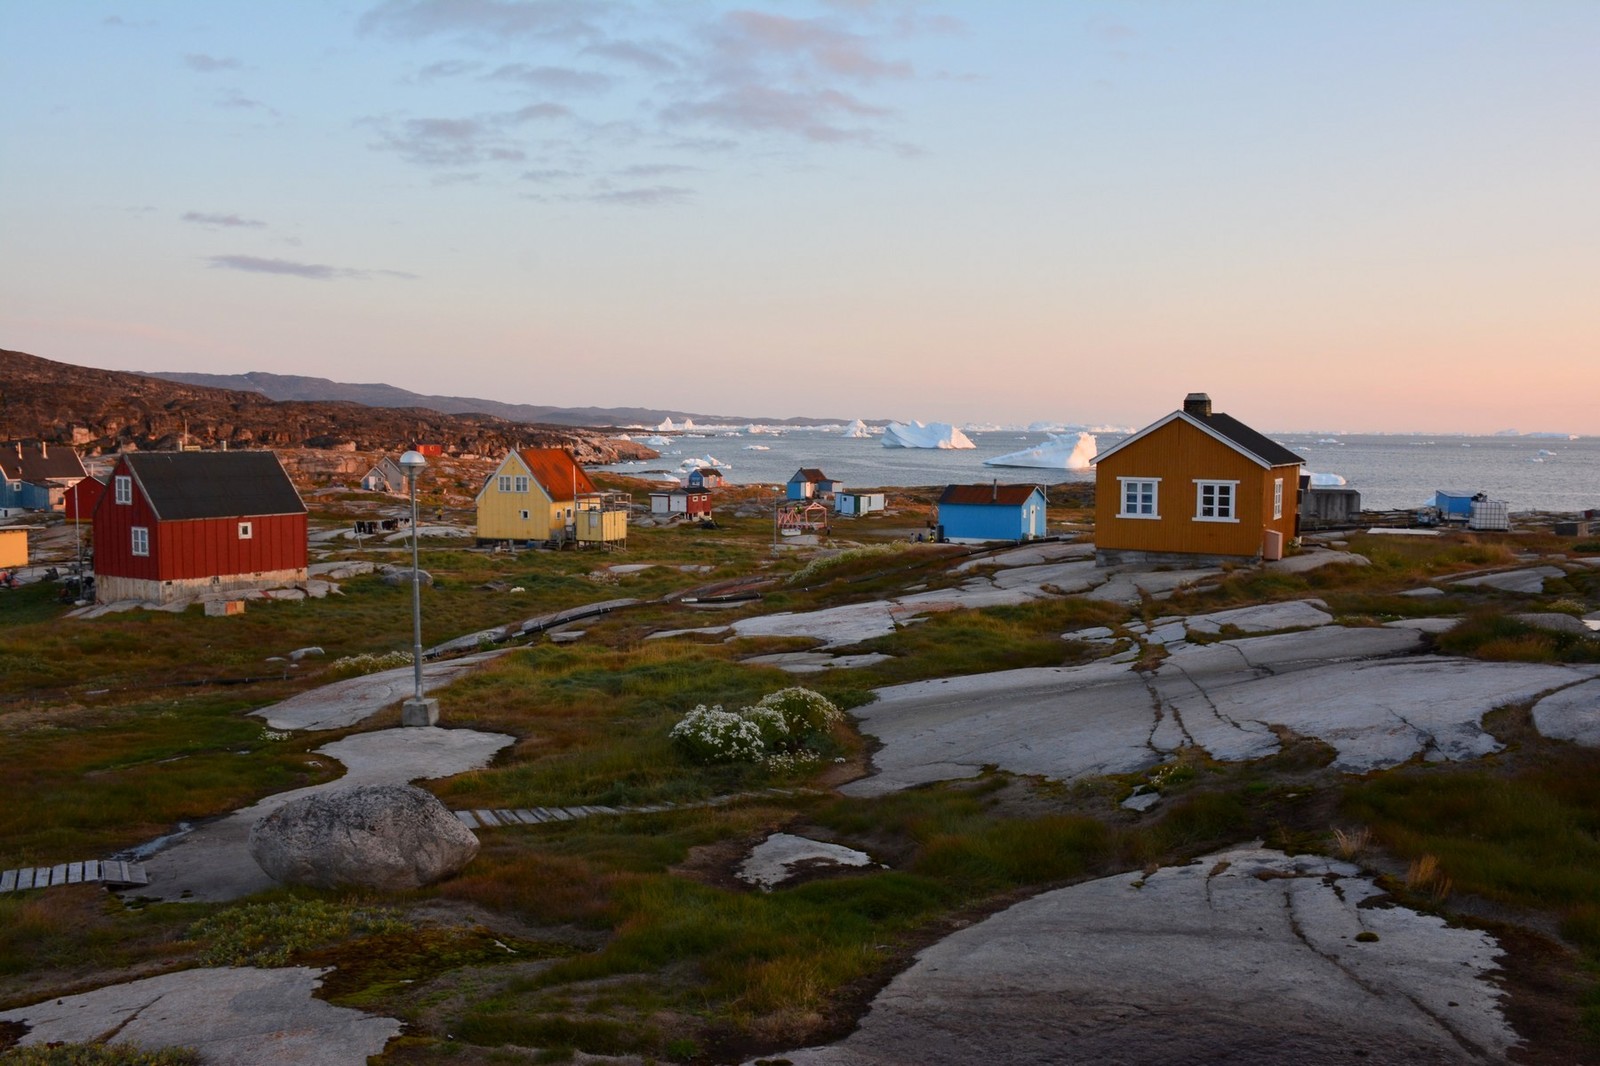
175 525
79 501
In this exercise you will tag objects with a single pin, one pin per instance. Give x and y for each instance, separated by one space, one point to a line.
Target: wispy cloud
655 170
252 264
649 196
448 68
812 114
237 101
537 112
552 79
199 61
487 21
203 218
544 177
655 60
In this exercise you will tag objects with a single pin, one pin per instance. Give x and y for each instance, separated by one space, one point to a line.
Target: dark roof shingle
1248 439
32 461
994 495
187 485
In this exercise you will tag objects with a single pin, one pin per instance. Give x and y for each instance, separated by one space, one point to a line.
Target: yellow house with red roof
543 495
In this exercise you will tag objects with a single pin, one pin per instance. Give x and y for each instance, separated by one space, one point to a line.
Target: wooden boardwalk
108 872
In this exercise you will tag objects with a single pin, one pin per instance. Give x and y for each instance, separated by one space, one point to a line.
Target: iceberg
1062 451
666 426
705 462
657 441
1324 481
756 448
917 435
857 430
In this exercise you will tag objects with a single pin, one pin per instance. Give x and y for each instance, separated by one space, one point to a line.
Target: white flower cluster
712 735
354 665
775 730
273 734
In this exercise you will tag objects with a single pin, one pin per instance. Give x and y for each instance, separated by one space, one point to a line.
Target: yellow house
1195 485
13 548
542 494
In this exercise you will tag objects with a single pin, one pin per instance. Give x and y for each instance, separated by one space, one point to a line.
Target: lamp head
413 462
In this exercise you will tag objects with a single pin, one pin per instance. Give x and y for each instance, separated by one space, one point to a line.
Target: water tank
1490 515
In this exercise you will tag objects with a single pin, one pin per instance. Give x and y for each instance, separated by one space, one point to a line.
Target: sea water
1390 471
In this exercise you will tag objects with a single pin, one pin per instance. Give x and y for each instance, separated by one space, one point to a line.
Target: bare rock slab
347 703
233 1017
386 837
784 855
1246 956
1530 581
1571 714
1294 614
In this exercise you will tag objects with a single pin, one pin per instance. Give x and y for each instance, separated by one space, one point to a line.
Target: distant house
78 502
1195 484
13 548
689 502
707 477
809 483
386 475
432 451
541 495
857 503
176 525
972 514
36 475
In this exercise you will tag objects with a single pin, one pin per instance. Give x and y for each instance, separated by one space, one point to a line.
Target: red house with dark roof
178 525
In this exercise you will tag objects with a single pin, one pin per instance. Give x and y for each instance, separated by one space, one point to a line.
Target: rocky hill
107 410
299 387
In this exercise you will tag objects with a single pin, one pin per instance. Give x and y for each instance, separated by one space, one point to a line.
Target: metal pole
416 593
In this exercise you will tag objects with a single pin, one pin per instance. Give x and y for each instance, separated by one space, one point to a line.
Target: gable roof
989 495
556 472
35 461
187 485
811 474
1257 447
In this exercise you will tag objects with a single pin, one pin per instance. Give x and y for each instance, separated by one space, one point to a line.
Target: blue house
977 513
35 476
1453 505
809 483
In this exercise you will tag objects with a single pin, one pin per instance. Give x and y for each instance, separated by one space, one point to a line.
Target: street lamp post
418 710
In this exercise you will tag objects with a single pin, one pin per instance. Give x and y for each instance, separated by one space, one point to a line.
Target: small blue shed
1453 506
977 513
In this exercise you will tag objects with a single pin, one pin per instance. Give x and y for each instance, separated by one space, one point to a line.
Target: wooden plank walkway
108 872
491 819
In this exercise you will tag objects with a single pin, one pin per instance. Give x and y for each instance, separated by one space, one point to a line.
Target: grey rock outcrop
389 837
401 575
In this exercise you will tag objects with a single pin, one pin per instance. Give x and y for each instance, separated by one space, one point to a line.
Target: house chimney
994 491
1197 404
44 450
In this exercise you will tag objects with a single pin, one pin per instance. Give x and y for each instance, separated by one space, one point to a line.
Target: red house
177 525
80 500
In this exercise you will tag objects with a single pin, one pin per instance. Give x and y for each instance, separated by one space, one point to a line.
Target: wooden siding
193 548
500 513
599 527
1179 455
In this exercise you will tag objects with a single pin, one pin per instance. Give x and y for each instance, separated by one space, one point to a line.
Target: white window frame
520 484
247 531
1277 497
504 484
1123 485
1222 511
123 488
140 540
525 515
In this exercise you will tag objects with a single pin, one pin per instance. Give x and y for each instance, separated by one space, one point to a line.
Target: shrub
357 665
779 729
268 934
807 712
713 735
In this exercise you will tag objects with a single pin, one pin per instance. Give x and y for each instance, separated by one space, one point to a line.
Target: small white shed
858 503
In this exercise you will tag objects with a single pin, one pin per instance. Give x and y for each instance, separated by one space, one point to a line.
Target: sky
1359 216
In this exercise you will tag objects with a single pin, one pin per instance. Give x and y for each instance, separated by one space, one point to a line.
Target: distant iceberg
1062 451
857 429
657 441
704 462
1324 481
917 435
756 448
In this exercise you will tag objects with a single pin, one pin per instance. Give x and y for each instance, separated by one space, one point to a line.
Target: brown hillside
108 410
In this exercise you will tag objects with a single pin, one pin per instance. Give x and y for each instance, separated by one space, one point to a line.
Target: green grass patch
1489 634
271 934
99 1055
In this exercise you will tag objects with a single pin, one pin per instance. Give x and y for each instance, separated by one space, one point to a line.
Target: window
141 540
1140 497
245 531
524 515
1214 501
1277 497
505 483
521 485
124 488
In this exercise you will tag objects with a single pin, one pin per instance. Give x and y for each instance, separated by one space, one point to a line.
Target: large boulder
373 836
